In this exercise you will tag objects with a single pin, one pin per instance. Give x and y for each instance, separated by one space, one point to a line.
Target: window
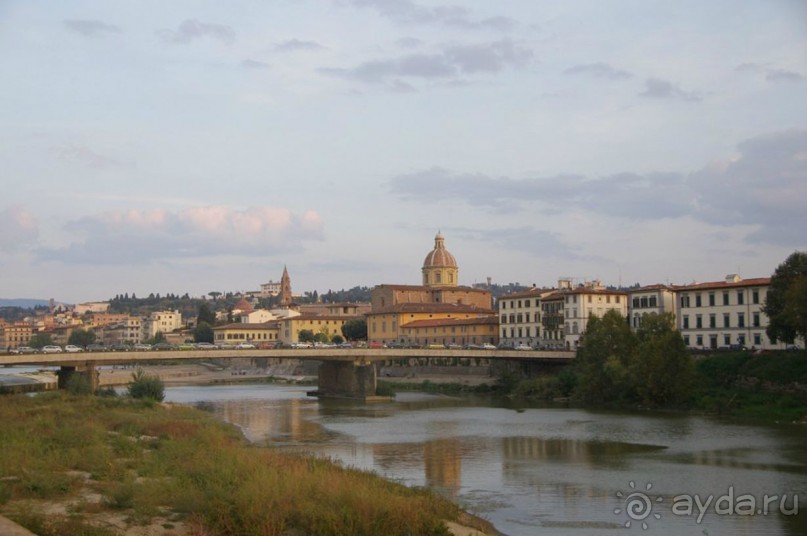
574 328
725 298
757 339
699 340
519 303
644 302
697 300
756 320
608 299
698 321
652 301
726 320
504 305
727 340
712 321
504 319
686 321
741 339
740 297
686 340
635 303
618 299
526 303
684 301
527 317
755 297
711 299
741 320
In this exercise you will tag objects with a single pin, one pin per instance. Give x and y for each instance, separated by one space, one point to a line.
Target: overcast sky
197 146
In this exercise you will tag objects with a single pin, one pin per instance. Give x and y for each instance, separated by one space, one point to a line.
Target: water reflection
534 470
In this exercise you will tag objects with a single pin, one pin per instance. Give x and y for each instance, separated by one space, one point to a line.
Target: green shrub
145 386
77 384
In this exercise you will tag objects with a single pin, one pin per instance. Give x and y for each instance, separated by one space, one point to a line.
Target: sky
197 146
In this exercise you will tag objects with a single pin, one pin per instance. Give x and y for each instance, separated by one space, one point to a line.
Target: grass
147 460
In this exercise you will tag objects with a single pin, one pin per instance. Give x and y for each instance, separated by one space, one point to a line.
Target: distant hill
24 303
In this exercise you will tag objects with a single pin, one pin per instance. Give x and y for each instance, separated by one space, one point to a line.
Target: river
539 470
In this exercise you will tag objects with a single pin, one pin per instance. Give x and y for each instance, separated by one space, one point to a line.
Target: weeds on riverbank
148 461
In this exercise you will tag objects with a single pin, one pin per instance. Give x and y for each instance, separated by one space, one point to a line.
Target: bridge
343 373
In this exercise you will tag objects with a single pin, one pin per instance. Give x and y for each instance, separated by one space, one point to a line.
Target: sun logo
638 505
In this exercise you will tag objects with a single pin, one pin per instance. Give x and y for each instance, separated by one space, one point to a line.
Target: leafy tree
203 333
306 335
786 302
146 386
157 338
205 314
663 372
40 339
214 294
337 339
603 359
355 330
80 337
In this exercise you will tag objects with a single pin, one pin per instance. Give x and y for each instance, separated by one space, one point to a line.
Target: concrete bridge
343 373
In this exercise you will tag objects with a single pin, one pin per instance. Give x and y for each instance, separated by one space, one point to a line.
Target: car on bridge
163 346
95 347
523 348
22 350
206 346
52 349
73 349
245 346
488 346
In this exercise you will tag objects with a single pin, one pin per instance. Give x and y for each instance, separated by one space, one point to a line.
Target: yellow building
440 297
16 334
266 332
448 331
329 325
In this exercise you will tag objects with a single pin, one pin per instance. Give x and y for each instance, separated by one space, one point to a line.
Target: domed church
439 311
440 266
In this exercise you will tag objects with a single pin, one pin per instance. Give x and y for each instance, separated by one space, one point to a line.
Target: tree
306 335
205 314
81 337
603 359
203 333
157 338
145 386
663 372
214 294
40 339
355 330
784 306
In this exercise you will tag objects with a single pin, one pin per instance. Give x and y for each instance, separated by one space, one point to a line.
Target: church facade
397 309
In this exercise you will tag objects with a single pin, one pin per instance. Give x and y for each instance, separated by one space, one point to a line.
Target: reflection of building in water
443 460
258 422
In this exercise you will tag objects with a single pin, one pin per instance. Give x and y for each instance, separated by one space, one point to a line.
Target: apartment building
724 314
161 321
520 318
590 299
15 334
642 301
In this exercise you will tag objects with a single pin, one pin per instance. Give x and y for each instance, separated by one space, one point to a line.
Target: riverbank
114 466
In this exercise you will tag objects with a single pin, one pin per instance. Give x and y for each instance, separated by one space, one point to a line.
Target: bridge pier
346 379
87 371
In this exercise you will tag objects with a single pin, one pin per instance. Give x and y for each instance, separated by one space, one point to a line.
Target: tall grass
148 459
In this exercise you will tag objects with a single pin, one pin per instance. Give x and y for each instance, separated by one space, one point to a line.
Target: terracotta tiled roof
431 307
435 322
531 293
273 324
439 256
755 282
648 288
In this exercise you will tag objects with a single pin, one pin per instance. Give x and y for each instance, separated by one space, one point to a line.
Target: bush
77 384
145 386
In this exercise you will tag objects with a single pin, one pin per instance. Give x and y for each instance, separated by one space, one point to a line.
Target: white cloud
142 236
19 229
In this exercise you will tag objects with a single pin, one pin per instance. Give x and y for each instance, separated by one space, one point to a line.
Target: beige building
291 327
586 300
15 334
450 331
520 317
724 314
91 307
658 299
265 332
553 332
440 297
161 321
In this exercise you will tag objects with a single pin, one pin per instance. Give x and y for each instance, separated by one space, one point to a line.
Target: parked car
244 346
119 347
72 349
301 345
163 346
453 346
52 349
95 347
23 350
488 346
142 347
206 346
523 348
186 346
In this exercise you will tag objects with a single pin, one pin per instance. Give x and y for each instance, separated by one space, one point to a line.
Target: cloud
90 28
452 61
656 88
86 156
19 229
295 44
599 70
408 12
525 239
143 236
254 64
765 186
771 72
191 29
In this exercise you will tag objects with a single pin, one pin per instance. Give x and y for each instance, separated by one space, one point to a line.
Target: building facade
590 299
450 331
520 318
658 299
725 314
256 333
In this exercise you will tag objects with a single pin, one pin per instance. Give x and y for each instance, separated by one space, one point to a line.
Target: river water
539 470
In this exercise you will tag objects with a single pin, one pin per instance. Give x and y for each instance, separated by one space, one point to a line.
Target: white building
586 300
725 314
91 307
520 318
258 316
643 301
161 321
272 288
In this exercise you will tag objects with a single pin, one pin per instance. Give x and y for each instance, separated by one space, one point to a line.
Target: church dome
243 305
439 257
